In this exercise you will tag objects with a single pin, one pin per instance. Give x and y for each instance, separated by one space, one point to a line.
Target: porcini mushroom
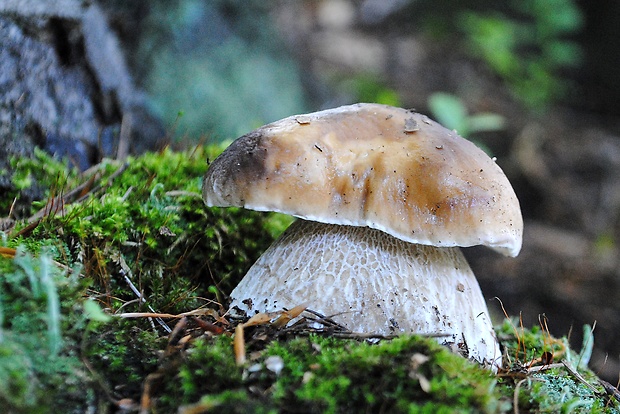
384 197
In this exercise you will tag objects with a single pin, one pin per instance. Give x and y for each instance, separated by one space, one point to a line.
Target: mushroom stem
372 282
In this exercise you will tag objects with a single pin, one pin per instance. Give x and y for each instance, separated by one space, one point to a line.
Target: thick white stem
372 282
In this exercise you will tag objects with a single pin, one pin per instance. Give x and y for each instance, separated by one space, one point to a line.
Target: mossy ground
136 237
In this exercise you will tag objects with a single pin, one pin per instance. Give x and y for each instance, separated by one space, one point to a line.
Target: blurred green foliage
221 64
528 45
367 88
450 111
41 323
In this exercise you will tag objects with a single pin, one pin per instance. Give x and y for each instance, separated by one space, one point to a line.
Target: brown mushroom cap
372 165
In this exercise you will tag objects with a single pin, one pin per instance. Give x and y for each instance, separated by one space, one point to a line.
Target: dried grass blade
239 345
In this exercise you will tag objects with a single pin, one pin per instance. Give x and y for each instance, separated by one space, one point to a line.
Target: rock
64 87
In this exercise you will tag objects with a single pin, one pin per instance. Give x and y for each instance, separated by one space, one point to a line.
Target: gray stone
65 87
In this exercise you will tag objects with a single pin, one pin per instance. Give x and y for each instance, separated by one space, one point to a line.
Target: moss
125 352
28 177
555 392
349 376
323 374
141 224
523 345
566 386
139 239
148 214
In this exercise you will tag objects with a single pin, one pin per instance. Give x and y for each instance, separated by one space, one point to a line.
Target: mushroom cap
372 165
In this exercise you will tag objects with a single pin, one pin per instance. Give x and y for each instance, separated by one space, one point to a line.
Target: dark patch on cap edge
242 163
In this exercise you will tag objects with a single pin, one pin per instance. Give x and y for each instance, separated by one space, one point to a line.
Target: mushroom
384 197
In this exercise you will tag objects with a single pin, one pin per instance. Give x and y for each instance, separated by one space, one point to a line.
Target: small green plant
367 88
528 46
450 111
41 322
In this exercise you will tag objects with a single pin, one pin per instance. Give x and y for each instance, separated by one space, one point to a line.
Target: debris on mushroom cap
372 165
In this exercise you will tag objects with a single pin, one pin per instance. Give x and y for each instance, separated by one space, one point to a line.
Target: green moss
354 376
142 221
124 353
524 345
323 374
561 388
555 392
149 215
27 180
142 225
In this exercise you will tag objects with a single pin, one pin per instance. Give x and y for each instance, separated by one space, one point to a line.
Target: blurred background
533 82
